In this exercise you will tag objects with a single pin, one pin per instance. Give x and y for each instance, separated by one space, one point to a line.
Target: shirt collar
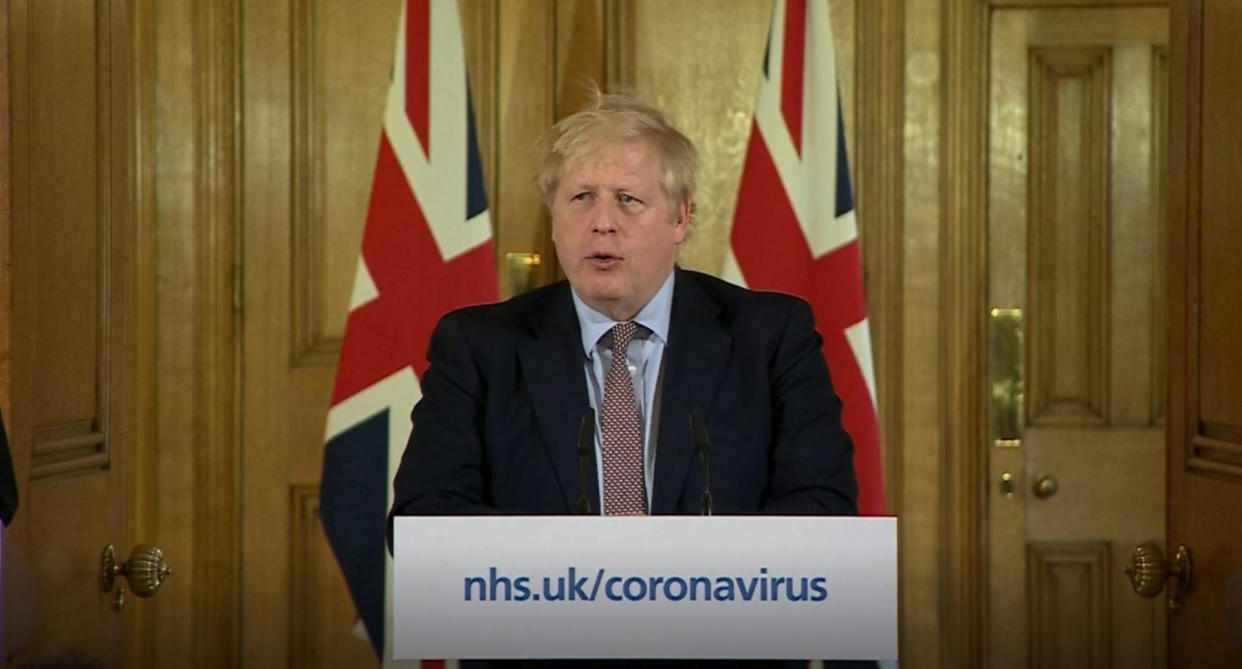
654 316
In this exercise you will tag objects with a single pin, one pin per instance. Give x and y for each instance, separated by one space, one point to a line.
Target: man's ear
682 220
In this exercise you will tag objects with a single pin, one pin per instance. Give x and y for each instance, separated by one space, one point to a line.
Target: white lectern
645 587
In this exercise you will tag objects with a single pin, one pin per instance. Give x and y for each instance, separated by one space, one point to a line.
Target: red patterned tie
621 433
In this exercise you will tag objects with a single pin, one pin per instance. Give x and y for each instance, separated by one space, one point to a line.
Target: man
638 344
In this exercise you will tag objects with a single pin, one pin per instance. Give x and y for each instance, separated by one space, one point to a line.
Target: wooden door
1075 153
313 79
1205 353
69 392
122 369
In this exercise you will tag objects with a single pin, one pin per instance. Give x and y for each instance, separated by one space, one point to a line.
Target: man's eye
626 198
580 196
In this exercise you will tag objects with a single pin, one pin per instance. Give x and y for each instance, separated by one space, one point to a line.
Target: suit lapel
553 371
694 362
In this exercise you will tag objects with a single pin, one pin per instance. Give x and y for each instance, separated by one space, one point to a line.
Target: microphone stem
698 432
705 502
586 444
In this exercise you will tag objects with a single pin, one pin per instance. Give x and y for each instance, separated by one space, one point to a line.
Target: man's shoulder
514 314
737 302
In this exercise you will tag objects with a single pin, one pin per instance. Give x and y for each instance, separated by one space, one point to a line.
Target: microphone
586 449
698 434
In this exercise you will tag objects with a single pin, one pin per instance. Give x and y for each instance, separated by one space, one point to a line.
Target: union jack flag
426 249
794 228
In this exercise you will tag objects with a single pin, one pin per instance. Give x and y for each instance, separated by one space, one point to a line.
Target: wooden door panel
1220 246
1205 375
339 60
320 611
1065 578
315 75
1072 240
69 233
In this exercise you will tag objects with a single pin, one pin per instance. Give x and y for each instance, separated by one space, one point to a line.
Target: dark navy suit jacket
504 393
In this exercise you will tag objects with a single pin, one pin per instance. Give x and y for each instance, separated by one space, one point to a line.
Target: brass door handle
523 268
1005 346
1007 485
1045 486
1148 569
145 570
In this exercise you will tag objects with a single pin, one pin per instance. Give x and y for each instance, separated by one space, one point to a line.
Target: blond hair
612 117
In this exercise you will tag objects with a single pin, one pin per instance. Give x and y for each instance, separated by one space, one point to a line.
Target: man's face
616 232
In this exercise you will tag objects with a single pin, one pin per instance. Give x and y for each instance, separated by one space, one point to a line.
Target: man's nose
603 220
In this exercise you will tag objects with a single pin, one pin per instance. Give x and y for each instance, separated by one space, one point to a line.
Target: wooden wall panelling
6 230
266 449
526 103
963 320
922 363
176 336
214 449
69 224
338 63
1159 204
140 630
70 215
1071 591
1204 416
1068 228
311 344
319 602
183 495
340 81
1135 318
18 83
619 40
304 649
579 61
1008 128
1185 100
1217 425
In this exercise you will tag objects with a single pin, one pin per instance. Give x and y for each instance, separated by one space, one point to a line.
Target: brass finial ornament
145 570
1148 569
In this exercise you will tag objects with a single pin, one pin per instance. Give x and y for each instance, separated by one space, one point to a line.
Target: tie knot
622 333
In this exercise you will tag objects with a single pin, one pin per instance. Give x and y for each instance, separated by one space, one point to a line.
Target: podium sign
645 587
